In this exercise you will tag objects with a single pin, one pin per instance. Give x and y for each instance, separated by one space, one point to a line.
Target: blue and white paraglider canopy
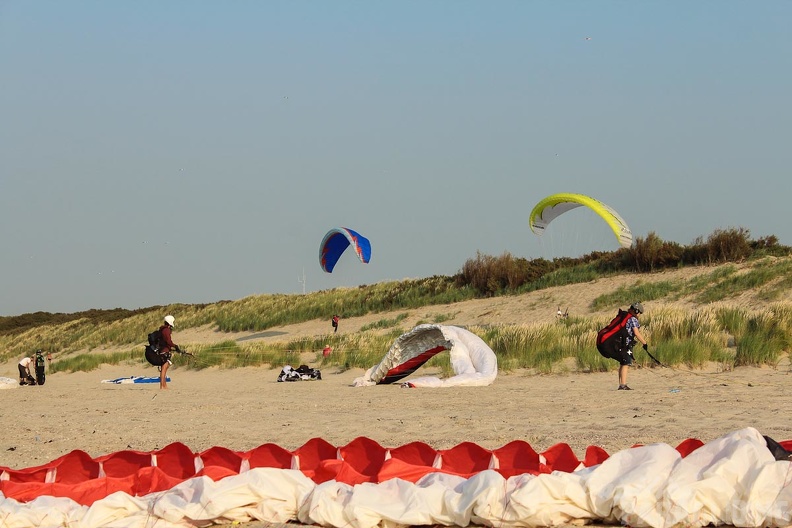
335 243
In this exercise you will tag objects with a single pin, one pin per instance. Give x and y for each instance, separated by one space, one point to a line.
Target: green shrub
652 253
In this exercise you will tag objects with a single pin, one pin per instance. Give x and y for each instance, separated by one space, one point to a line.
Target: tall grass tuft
765 337
89 362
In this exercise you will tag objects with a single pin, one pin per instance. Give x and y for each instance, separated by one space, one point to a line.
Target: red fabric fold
84 479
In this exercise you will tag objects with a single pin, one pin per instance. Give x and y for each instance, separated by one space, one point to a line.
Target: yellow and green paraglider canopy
555 205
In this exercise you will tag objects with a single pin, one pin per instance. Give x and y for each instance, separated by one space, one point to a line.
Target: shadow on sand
260 335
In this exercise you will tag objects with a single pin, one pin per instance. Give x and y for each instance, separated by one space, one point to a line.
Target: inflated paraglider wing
406 355
335 243
473 362
555 205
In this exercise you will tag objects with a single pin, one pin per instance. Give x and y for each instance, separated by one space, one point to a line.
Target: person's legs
623 375
625 361
164 375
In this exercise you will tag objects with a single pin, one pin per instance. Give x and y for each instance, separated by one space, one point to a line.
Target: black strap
654 358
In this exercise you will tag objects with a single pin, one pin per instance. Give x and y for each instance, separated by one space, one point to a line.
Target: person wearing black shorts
625 355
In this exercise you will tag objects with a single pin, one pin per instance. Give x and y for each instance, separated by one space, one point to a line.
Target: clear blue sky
156 152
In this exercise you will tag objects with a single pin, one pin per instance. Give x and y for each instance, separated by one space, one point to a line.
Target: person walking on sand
335 323
166 345
616 340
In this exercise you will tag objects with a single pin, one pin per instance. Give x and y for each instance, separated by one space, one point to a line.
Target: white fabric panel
473 361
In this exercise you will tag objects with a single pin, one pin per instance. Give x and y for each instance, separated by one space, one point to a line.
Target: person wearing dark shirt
167 344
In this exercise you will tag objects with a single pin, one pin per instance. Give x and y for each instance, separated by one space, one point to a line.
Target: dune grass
724 335
385 323
712 332
770 276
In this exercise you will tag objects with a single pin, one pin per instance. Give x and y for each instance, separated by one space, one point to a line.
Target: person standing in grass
616 340
633 328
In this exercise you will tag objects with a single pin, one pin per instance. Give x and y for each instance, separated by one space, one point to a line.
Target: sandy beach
243 408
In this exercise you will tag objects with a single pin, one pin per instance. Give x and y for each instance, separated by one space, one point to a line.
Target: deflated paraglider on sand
473 361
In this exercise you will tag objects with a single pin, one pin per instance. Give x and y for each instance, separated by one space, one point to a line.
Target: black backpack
155 339
152 349
154 357
40 374
612 339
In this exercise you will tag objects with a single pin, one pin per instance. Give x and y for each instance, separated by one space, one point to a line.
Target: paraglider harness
613 341
40 378
157 343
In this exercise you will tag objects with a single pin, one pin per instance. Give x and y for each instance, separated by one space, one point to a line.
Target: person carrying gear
166 345
616 340
25 376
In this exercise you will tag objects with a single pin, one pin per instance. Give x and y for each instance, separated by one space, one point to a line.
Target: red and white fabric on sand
733 480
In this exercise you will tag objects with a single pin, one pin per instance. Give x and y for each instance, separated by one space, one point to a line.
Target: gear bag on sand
303 372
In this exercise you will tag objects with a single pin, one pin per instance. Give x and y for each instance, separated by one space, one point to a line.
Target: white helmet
170 320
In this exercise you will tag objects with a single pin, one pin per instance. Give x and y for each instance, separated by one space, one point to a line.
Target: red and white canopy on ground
733 480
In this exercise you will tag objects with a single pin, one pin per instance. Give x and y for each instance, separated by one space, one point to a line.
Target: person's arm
639 336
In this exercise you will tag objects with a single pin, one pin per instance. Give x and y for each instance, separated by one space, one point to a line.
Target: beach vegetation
712 331
437 318
384 323
728 336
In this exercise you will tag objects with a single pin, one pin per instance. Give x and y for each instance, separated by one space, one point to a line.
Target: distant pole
302 281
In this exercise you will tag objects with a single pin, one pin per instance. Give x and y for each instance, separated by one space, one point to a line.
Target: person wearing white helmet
167 344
